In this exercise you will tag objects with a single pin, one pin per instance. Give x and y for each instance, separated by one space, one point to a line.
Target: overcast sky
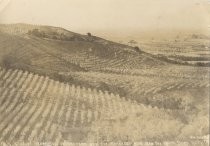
109 15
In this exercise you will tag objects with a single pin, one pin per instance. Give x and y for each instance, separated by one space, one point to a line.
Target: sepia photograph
104 72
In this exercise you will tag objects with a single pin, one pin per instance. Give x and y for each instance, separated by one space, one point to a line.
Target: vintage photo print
104 72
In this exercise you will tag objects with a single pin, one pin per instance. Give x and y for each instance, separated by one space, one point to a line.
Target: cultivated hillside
57 86
38 109
43 47
46 110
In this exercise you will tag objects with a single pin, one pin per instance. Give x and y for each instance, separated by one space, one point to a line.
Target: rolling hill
60 51
83 52
58 86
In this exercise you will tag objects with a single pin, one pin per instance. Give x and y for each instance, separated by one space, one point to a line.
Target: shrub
37 33
89 34
137 49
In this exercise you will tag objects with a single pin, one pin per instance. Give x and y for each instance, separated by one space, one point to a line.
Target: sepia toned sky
109 15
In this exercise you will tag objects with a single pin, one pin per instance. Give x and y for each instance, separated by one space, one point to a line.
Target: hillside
45 110
25 47
29 40
58 86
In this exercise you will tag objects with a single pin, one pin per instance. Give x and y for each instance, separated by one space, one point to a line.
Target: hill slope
38 109
42 47
58 86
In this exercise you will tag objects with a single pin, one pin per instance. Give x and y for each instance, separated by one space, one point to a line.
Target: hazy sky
109 15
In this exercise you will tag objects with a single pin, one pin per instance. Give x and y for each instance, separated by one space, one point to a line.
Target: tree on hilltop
89 34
